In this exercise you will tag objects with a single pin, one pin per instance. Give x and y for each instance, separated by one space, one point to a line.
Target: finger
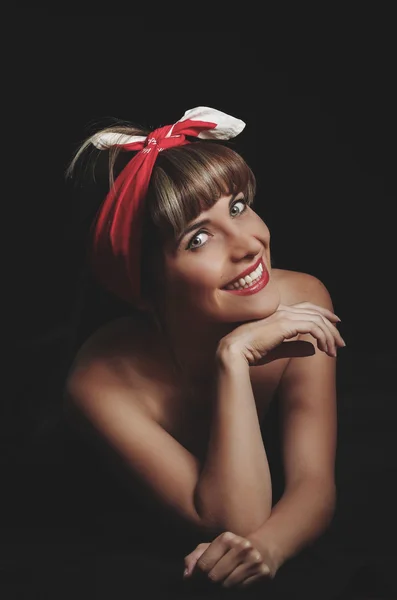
261 576
334 338
239 562
316 307
192 558
332 335
216 550
319 322
190 565
325 341
195 555
293 327
334 331
310 311
292 349
246 566
309 306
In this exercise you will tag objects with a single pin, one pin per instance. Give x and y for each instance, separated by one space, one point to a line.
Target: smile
251 283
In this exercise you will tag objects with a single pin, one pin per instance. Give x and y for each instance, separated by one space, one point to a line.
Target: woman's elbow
247 521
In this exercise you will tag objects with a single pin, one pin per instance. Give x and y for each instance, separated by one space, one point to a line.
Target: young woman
180 388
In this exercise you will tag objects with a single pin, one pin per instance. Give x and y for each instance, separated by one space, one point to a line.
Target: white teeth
246 281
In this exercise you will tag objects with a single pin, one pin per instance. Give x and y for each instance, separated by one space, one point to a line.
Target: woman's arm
309 429
231 488
234 489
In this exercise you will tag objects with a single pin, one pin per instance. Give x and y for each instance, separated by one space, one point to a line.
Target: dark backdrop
320 136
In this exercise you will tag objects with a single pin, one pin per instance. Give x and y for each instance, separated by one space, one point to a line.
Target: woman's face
218 248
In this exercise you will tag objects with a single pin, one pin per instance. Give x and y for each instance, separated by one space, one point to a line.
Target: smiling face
219 270
199 209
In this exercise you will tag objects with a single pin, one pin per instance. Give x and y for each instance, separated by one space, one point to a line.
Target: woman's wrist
227 357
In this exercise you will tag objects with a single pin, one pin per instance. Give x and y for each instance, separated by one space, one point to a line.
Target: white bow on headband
226 127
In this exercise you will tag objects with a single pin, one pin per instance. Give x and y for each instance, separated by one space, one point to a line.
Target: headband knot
115 252
154 139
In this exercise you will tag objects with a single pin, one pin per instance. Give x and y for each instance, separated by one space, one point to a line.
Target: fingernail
186 572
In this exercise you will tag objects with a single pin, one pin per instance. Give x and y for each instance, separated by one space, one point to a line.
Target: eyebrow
198 224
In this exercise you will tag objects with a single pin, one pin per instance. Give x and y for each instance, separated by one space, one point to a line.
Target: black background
320 136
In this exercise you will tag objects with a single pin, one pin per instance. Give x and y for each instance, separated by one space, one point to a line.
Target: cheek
190 278
201 274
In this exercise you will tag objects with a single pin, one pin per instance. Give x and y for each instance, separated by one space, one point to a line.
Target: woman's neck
193 346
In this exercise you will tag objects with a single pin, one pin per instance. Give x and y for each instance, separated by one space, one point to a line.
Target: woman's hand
265 340
230 560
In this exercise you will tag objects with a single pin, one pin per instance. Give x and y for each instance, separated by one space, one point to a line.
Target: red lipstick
247 271
255 287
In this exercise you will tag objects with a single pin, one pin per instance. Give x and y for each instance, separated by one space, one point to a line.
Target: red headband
116 242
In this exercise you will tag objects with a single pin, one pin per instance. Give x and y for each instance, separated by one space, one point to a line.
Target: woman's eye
238 208
197 241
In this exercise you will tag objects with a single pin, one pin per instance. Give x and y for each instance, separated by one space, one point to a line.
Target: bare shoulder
121 366
112 397
297 286
119 350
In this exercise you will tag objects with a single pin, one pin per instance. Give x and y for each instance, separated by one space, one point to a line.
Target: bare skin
184 409
138 350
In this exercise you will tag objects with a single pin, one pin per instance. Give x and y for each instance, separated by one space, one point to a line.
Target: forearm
234 490
299 518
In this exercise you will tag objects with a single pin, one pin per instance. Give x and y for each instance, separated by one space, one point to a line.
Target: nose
244 247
